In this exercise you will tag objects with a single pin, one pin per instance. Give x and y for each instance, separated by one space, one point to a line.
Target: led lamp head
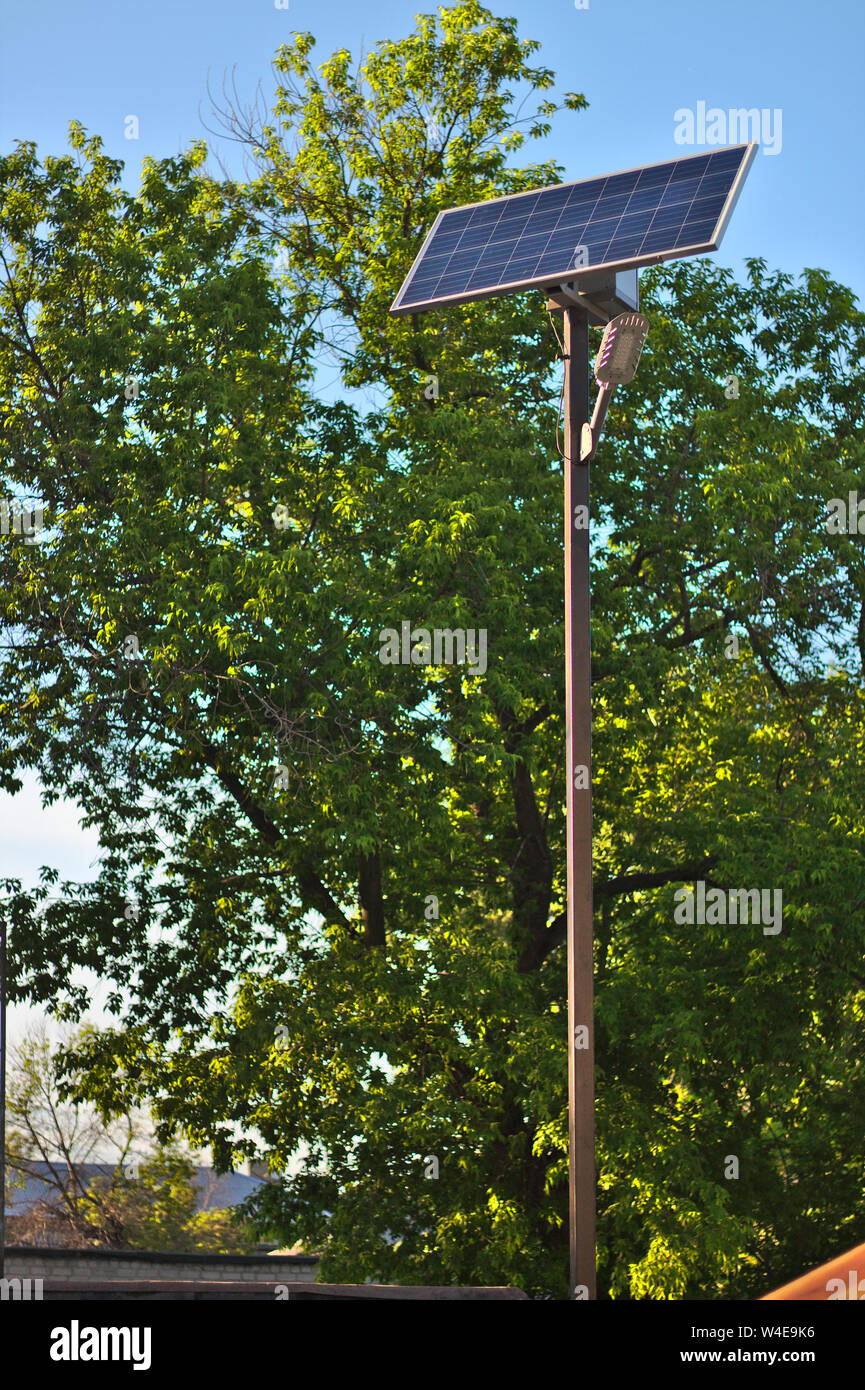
619 353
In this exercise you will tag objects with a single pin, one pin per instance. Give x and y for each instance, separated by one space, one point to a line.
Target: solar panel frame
457 279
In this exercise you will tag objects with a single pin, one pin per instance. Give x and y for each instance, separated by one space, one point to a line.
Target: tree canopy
331 893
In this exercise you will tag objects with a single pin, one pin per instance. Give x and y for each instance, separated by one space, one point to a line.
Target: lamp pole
476 251
578 720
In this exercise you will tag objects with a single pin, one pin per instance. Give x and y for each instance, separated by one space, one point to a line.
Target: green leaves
283 807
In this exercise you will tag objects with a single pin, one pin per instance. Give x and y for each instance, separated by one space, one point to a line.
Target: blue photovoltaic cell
638 217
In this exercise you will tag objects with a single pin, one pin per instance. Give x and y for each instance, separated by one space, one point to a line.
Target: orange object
841 1278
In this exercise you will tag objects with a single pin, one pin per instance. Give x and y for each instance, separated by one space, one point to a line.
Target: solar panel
637 217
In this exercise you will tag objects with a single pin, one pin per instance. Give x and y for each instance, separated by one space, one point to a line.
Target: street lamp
615 365
583 243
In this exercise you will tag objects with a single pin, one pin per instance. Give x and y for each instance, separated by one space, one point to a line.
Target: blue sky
638 63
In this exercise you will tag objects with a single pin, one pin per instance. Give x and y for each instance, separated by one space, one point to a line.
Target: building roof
216 1191
841 1278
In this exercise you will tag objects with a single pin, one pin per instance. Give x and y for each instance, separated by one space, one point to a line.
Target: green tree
332 891
145 1197
51 1138
156 1208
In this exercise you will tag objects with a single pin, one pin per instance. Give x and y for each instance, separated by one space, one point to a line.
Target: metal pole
578 718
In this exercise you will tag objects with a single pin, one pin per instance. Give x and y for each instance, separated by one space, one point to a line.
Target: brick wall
39 1262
